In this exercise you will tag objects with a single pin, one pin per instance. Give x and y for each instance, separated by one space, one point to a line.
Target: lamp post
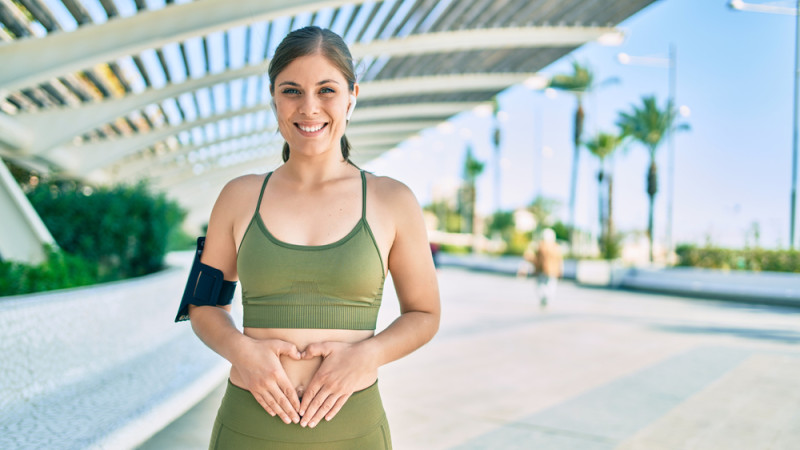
773 9
670 62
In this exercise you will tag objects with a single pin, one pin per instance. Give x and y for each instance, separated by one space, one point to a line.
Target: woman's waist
303 337
300 372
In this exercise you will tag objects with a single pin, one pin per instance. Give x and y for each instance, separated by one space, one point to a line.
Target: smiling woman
312 243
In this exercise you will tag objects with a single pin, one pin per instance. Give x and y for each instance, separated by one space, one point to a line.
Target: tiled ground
596 369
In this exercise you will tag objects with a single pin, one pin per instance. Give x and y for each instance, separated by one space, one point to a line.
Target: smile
311 128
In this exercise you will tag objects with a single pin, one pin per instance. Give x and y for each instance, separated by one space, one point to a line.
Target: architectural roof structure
177 93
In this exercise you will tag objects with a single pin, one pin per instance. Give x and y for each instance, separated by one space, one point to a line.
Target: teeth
311 129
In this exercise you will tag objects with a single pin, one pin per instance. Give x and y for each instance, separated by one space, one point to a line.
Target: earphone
347 116
352 106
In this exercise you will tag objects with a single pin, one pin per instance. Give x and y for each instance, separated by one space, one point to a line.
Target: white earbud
352 106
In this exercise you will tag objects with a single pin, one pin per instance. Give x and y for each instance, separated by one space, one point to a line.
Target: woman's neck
315 170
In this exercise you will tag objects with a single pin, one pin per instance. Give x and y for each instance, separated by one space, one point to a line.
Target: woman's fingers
263 403
315 350
336 407
317 408
287 349
282 405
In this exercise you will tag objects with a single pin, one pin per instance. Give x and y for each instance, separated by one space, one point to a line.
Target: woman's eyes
324 90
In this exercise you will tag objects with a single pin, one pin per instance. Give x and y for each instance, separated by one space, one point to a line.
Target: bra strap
363 195
261 195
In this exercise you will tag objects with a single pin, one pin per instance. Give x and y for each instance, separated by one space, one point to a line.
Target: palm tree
472 168
578 83
649 125
602 146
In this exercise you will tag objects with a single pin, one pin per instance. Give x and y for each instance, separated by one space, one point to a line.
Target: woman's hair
308 41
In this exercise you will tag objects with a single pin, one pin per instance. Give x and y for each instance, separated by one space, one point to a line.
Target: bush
755 259
456 249
59 270
123 229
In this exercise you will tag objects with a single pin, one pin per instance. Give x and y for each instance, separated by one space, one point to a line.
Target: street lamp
773 9
669 63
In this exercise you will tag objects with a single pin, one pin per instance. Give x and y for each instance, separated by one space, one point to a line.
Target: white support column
24 233
14 137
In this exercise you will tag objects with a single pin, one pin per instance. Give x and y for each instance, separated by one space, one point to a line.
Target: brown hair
308 41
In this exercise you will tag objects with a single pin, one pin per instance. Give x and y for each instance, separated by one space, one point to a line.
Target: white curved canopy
114 90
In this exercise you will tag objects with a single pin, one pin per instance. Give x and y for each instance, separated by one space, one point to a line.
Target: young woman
312 243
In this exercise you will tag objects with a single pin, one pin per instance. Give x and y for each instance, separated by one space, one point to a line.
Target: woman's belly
301 372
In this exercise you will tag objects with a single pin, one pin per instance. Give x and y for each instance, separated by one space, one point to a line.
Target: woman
312 243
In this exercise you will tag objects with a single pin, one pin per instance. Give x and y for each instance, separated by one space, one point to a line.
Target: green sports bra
332 286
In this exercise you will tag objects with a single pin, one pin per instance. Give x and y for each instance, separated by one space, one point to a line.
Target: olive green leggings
242 424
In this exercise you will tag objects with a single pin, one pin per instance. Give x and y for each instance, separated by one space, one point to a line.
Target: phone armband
205 286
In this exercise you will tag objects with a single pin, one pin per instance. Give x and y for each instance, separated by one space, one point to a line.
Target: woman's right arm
256 361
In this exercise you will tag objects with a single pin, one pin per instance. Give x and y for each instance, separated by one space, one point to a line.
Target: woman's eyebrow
292 83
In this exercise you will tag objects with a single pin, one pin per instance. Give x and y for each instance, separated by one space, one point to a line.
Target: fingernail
303 423
312 424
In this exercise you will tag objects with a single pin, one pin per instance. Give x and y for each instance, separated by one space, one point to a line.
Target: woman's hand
259 368
345 368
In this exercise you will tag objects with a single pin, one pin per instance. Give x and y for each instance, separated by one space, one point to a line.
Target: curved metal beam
28 62
55 126
81 160
409 111
152 166
412 126
484 38
442 84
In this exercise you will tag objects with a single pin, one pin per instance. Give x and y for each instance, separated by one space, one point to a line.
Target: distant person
548 265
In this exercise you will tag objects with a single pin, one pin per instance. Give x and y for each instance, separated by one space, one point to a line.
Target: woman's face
311 101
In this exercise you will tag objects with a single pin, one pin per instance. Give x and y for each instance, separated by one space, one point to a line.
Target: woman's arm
256 361
346 366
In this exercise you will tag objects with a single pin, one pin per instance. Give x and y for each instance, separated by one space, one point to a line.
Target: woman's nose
310 105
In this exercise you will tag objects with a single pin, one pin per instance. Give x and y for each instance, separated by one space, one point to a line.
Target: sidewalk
597 369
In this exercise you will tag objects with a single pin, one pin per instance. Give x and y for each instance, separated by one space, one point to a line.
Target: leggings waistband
362 412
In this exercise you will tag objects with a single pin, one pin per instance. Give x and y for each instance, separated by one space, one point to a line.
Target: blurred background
658 139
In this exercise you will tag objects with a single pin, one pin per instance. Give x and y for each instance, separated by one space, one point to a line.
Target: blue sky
733 169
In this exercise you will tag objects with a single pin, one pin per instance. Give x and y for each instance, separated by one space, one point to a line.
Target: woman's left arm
348 366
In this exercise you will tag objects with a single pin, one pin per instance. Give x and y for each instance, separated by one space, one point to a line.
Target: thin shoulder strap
363 195
261 195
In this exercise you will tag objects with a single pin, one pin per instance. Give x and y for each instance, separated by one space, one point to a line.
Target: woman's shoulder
388 189
243 186
240 192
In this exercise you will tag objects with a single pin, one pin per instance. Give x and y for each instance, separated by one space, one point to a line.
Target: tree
543 209
602 146
648 125
472 168
578 83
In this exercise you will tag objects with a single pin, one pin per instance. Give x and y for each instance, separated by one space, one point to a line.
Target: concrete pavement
596 369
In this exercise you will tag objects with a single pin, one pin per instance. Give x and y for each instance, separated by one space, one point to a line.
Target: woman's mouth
311 129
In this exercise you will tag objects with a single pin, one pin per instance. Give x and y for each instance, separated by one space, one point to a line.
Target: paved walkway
596 369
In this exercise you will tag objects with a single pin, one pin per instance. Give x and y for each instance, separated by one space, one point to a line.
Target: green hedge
124 229
59 270
104 234
755 259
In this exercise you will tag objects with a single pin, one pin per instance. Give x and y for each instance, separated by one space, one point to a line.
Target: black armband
205 286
